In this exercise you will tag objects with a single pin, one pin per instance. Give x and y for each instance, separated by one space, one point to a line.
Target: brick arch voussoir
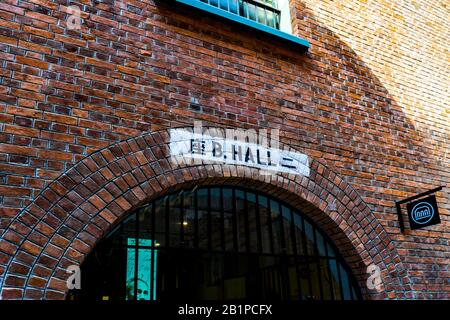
64 223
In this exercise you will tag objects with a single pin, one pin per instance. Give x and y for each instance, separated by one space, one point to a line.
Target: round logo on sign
422 213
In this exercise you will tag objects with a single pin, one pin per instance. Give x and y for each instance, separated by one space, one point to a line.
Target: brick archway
66 220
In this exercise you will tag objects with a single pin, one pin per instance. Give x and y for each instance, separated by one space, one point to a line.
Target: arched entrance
73 213
216 243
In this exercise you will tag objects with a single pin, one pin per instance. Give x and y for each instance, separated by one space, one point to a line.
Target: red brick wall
136 65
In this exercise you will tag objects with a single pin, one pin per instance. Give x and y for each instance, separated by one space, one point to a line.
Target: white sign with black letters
186 144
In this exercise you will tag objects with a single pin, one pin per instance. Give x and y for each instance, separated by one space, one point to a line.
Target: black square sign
423 213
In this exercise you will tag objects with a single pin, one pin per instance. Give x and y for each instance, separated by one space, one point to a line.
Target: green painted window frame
297 42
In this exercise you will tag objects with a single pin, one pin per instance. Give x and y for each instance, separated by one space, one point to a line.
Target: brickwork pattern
68 218
136 66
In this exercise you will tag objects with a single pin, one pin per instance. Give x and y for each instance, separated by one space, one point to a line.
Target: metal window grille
261 11
222 233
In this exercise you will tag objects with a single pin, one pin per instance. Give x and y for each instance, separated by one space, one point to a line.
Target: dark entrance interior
216 243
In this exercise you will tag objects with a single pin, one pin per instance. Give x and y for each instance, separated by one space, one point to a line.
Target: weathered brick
32 62
368 101
11 294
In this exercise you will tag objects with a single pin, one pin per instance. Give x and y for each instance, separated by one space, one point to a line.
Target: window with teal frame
271 17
